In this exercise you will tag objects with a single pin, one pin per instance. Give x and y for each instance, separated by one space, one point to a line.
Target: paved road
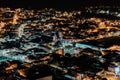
57 67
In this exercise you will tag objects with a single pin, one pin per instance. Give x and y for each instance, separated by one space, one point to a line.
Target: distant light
117 70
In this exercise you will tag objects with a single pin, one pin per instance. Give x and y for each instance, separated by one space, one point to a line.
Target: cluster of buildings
49 44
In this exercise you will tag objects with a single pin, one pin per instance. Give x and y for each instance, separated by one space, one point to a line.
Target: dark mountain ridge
62 4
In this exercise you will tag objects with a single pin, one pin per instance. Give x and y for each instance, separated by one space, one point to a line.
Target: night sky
57 3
